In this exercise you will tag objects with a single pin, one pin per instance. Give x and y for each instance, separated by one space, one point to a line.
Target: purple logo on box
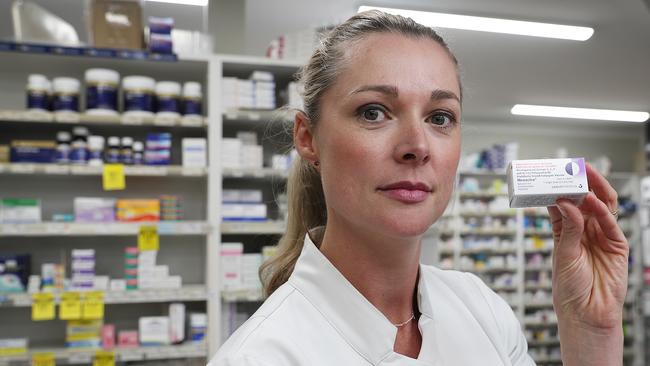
575 167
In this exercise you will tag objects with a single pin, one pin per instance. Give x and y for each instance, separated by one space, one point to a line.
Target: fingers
599 210
602 188
572 221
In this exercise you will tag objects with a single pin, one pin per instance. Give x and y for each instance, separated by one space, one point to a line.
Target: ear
303 137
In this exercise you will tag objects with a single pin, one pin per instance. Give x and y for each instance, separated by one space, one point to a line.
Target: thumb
572 229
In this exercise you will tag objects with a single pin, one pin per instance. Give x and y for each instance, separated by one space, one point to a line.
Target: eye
372 113
442 119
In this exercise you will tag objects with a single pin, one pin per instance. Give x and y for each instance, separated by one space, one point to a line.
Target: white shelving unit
532 242
184 244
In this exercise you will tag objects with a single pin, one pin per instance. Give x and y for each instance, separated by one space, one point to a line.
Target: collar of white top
359 322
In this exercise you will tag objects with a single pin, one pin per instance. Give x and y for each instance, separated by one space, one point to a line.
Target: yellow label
93 305
43 359
70 306
42 306
113 177
148 238
104 358
12 351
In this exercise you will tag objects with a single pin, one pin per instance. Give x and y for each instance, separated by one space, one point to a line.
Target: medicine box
20 211
132 210
541 182
91 209
195 152
154 330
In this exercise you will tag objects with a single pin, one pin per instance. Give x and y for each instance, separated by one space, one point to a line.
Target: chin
405 227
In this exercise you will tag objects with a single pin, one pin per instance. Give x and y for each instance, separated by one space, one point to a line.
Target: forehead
409 63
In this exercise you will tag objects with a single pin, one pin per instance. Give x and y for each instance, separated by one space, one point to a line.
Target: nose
412 145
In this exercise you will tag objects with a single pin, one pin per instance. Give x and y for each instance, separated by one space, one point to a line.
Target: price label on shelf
148 238
70 306
42 306
43 359
113 177
93 305
104 358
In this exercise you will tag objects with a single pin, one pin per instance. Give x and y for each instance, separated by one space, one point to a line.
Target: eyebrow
437 94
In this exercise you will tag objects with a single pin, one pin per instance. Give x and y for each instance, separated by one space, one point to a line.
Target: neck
383 269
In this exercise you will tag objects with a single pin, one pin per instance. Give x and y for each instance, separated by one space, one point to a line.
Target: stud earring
316 163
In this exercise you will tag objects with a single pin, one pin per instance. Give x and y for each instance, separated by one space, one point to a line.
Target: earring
316 163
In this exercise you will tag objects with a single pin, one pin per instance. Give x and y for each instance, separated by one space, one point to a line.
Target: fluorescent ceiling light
579 113
441 20
184 2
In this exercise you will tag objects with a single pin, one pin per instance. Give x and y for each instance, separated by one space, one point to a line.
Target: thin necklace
406 322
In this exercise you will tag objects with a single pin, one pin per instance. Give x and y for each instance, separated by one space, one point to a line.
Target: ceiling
611 70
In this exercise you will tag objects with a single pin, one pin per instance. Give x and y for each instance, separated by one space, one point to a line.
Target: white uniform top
318 318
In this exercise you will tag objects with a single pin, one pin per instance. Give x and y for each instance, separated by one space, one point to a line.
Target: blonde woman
379 144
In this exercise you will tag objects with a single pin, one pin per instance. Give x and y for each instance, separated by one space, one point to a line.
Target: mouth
406 192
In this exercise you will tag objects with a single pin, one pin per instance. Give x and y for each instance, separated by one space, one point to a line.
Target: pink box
108 336
127 338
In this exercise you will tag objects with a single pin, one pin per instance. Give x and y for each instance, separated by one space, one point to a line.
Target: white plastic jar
66 94
95 150
138 95
101 91
192 99
168 95
38 93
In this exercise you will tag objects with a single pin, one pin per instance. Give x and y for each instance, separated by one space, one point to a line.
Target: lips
406 192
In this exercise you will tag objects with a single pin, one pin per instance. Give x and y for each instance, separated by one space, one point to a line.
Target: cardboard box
116 24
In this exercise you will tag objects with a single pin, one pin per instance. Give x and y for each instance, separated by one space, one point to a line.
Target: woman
379 144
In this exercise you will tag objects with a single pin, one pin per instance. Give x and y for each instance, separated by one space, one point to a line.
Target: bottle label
191 107
62 155
66 102
37 100
167 104
113 156
101 97
138 101
78 156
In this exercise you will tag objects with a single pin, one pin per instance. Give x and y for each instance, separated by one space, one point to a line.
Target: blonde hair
306 201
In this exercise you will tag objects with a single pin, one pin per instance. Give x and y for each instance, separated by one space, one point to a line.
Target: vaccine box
540 182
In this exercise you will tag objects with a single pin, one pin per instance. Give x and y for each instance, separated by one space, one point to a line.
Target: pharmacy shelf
185 294
256 116
538 287
538 268
249 295
537 304
545 343
538 232
85 170
66 356
22 116
103 229
491 270
257 173
512 213
481 195
538 324
487 250
253 227
540 251
493 232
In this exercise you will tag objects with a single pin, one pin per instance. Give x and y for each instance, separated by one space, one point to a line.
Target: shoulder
266 335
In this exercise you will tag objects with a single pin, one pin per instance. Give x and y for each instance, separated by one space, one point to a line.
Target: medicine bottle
192 99
126 152
95 150
66 94
168 95
62 155
38 93
138 153
112 155
138 94
101 91
79 151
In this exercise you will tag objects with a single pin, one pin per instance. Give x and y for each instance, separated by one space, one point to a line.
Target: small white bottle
192 99
95 150
38 93
66 94
168 94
